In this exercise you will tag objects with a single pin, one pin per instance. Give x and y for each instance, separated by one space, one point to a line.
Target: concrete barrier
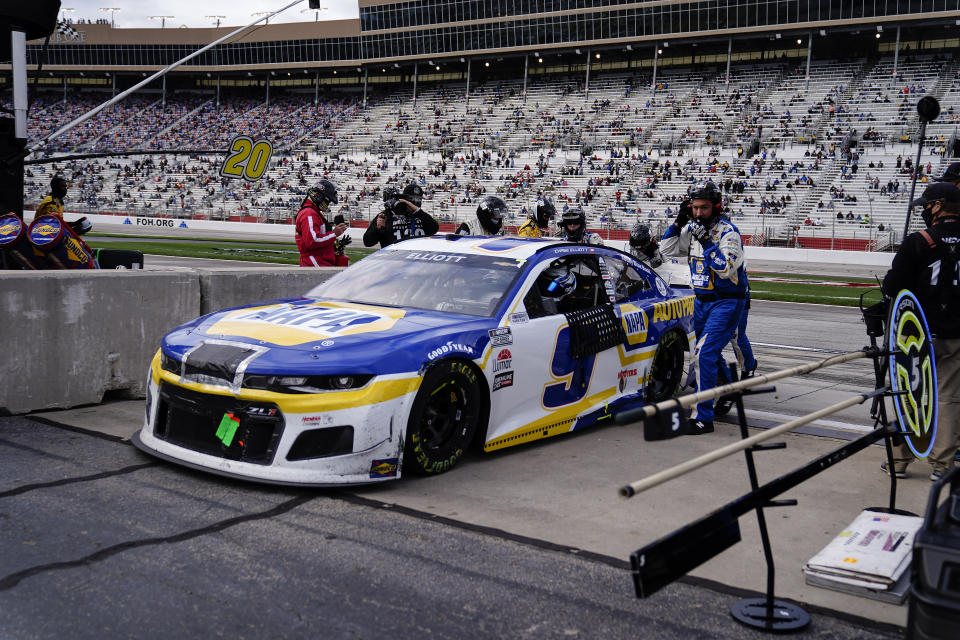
227 287
71 337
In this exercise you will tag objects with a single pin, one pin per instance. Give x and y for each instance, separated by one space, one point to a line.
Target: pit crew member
315 238
927 265
490 214
714 250
539 221
643 247
573 228
400 219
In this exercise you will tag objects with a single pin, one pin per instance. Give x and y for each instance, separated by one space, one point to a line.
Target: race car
403 361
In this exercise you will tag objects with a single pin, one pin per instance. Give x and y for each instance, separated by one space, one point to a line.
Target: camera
397 206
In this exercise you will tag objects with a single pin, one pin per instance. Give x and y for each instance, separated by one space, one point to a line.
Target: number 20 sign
246 159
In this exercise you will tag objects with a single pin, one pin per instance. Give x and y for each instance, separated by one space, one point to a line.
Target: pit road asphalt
102 541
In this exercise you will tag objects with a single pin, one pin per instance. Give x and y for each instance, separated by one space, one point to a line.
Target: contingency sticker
227 429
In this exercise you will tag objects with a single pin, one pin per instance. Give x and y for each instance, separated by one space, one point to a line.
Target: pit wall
70 337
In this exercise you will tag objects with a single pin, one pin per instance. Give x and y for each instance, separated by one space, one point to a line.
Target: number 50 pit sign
247 159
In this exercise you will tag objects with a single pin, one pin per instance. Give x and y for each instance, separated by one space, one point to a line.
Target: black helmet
323 191
640 236
545 213
390 192
557 282
705 190
490 213
413 193
574 215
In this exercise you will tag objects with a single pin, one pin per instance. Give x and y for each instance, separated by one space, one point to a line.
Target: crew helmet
574 215
707 190
490 213
323 192
545 213
640 236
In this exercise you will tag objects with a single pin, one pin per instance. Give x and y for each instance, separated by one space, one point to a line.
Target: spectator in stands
315 237
400 219
539 222
927 264
719 280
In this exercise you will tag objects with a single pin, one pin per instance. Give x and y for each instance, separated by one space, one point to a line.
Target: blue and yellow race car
404 360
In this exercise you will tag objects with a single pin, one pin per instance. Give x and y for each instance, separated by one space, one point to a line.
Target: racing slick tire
666 370
444 419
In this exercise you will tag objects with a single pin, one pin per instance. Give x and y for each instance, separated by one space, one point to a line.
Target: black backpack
944 289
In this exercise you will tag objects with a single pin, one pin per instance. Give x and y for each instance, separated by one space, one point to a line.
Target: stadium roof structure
389 31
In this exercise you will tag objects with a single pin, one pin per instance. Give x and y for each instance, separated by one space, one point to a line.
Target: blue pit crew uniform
719 280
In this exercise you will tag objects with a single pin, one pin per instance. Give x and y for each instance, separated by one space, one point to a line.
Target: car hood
306 335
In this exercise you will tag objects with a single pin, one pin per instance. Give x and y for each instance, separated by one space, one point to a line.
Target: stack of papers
870 557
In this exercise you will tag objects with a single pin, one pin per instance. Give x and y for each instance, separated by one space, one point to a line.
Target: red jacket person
315 236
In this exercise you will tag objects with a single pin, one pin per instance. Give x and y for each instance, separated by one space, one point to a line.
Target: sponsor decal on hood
291 324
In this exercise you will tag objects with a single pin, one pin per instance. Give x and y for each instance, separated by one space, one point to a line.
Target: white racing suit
719 281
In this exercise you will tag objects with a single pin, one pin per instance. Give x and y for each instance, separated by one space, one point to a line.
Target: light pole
162 19
217 18
261 13
113 11
316 12
65 10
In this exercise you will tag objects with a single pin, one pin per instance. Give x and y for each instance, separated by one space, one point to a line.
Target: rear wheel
444 418
666 370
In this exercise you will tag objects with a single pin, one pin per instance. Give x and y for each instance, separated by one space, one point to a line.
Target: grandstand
813 143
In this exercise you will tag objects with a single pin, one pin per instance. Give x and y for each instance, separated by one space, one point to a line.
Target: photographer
400 219
316 241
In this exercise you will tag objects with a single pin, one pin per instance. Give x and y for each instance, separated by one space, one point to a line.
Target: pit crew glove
340 244
684 216
701 234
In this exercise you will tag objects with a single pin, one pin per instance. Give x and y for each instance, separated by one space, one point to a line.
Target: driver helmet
557 282
324 192
640 236
545 213
490 213
413 193
574 215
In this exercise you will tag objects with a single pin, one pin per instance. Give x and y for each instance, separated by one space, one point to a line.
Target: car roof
508 246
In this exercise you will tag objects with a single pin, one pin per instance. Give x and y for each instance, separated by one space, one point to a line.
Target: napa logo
634 320
290 324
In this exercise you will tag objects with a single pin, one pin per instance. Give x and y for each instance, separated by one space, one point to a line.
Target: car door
541 385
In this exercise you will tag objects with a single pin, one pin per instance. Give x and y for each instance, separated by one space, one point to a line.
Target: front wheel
666 370
444 418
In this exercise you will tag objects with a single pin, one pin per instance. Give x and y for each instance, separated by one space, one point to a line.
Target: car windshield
432 280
